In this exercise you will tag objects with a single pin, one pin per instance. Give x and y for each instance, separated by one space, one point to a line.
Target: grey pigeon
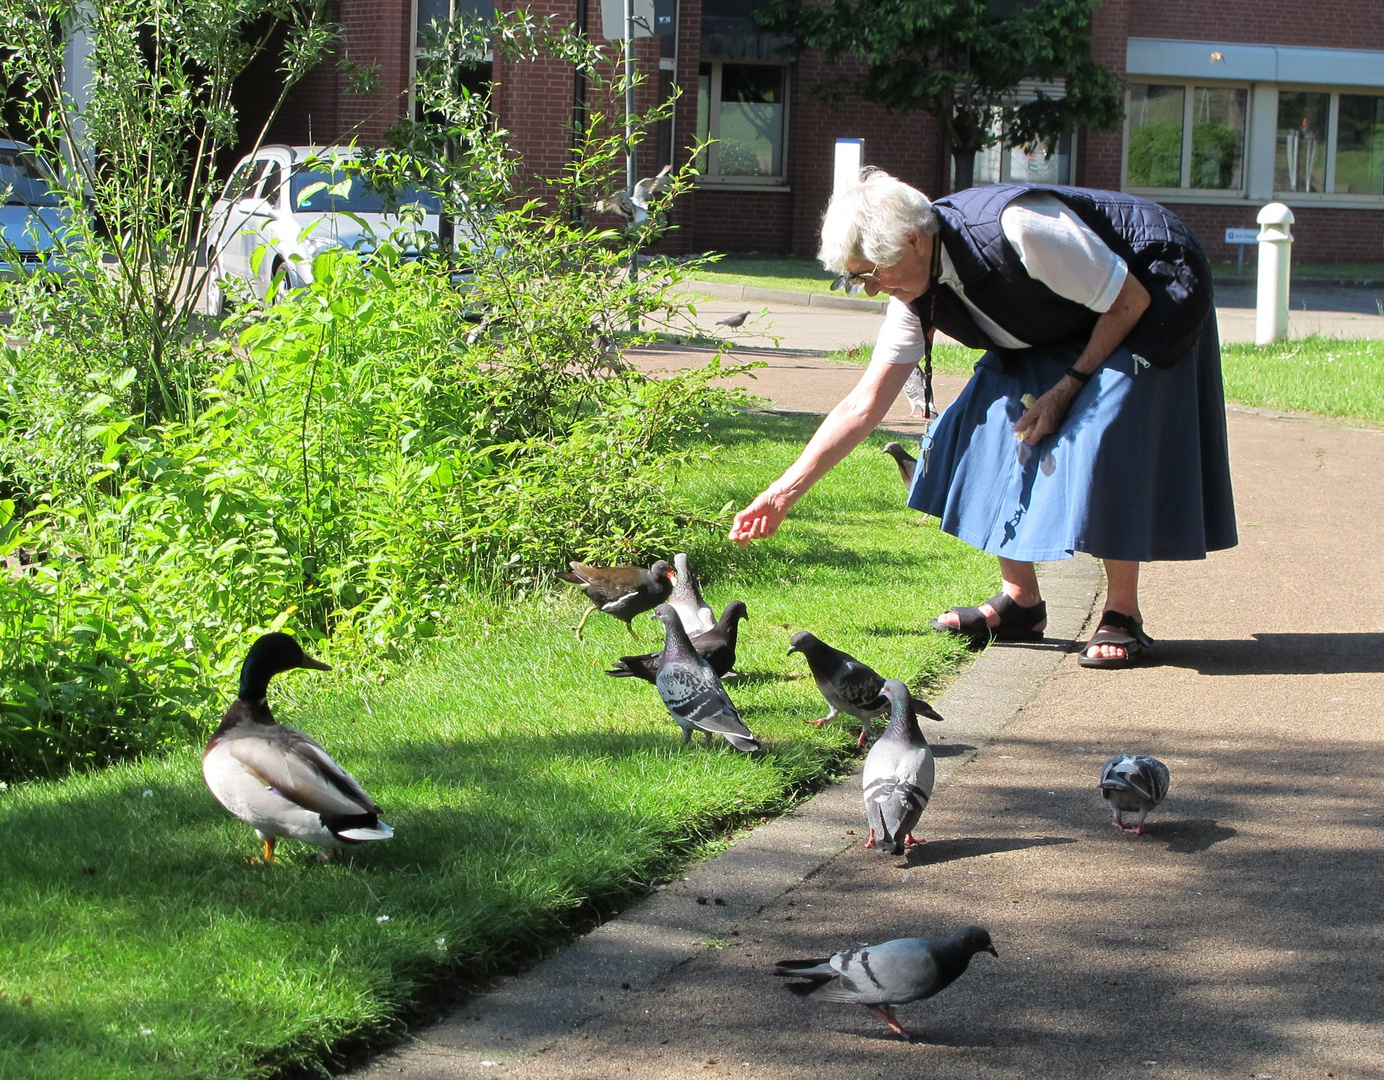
898 776
916 392
622 591
695 613
893 973
735 322
633 204
906 462
716 647
848 685
694 695
1133 782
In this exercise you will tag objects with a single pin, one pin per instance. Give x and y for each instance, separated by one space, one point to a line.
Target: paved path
1241 937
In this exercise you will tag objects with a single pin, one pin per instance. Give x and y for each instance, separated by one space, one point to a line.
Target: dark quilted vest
1158 248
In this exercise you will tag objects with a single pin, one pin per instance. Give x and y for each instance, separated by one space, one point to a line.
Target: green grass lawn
530 795
1340 379
807 275
769 272
1343 380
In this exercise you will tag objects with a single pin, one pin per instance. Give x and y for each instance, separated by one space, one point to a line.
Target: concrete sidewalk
1239 938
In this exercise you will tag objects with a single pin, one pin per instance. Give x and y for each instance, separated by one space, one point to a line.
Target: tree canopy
962 62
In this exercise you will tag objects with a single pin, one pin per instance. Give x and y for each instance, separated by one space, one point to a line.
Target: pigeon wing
857 686
693 694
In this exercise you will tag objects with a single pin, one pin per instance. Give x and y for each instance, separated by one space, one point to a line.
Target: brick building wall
536 101
1328 24
324 110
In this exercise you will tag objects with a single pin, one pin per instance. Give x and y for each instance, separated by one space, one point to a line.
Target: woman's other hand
1046 414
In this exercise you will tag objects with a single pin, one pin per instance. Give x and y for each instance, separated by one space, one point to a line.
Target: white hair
870 220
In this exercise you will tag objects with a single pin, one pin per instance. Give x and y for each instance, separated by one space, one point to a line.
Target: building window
743 107
1190 137
1329 143
997 164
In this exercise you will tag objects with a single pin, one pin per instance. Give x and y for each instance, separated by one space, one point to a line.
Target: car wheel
282 282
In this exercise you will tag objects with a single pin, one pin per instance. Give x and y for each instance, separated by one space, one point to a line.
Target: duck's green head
270 655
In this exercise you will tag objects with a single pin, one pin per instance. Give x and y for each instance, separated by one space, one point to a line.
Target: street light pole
630 178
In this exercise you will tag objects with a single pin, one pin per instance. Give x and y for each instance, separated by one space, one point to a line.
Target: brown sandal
1122 631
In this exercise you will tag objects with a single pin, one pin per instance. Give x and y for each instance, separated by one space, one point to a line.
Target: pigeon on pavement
898 776
695 613
906 462
893 973
734 321
916 392
848 685
1133 782
716 647
694 695
622 591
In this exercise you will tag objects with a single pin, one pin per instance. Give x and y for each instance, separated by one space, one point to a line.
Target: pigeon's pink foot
871 841
910 840
886 1013
817 723
864 738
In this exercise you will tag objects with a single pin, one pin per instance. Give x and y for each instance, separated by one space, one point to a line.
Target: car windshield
23 181
361 199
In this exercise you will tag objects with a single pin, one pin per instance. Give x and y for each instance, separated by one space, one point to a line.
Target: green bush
351 462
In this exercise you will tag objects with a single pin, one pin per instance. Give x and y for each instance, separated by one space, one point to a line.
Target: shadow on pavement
935 852
1275 654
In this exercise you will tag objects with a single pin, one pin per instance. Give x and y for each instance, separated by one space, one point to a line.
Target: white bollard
1275 257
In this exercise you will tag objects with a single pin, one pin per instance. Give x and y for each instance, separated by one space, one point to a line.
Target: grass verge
1340 379
531 794
807 275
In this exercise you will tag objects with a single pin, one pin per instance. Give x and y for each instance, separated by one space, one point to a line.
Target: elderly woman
1096 303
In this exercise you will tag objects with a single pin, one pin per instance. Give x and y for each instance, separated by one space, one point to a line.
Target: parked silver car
297 202
33 217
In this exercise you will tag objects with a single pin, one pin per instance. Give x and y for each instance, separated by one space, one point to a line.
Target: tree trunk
965 161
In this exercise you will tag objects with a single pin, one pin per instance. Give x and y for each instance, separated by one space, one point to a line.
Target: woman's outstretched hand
761 518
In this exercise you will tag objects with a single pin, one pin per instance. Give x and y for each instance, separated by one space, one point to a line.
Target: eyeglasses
852 284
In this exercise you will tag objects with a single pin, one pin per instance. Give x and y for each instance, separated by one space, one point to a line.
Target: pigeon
735 322
716 647
848 685
633 204
893 973
1133 782
898 776
906 462
276 779
916 392
622 591
694 695
695 613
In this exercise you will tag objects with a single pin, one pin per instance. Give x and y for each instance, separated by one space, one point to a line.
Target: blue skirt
1140 469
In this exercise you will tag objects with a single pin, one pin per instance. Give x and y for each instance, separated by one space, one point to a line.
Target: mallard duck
276 779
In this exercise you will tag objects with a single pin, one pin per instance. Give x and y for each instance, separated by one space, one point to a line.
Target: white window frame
711 177
415 51
1184 192
1027 91
1330 196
